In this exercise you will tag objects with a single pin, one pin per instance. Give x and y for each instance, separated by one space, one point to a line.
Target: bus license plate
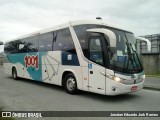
134 88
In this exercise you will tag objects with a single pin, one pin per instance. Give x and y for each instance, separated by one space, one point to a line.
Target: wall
151 63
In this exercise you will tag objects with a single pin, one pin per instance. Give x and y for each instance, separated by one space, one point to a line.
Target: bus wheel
70 84
14 74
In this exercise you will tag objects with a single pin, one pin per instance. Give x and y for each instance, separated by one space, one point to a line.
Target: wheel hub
70 83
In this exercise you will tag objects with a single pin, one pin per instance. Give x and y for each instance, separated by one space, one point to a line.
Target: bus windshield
125 56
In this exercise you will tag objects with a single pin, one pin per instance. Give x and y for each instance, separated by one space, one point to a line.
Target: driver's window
95 50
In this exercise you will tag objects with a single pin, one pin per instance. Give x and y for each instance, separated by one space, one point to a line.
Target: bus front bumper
117 88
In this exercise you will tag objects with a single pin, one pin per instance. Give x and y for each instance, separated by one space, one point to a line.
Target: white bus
91 56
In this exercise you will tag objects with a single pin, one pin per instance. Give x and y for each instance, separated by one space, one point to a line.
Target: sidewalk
152 83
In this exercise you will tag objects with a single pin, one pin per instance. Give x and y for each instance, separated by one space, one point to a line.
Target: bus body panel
76 70
85 78
96 79
51 66
7 67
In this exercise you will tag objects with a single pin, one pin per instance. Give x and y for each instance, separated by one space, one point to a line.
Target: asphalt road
27 95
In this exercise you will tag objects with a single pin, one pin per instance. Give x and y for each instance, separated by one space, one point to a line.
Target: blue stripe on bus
66 61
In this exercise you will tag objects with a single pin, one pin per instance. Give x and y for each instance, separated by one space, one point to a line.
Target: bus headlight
143 77
117 79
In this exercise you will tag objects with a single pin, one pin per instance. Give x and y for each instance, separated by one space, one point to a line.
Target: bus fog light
113 88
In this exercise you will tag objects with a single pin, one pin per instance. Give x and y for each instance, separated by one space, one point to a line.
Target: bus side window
14 46
45 41
8 48
32 44
64 41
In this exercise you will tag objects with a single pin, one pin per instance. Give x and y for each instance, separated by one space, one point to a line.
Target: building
155 44
151 60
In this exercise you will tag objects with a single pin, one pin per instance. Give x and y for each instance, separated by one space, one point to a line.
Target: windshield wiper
129 57
135 58
134 55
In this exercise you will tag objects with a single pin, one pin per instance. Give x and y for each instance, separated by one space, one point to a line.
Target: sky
20 17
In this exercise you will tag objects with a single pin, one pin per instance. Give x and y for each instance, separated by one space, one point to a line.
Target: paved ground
27 95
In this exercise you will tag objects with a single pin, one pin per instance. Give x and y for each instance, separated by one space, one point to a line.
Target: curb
153 76
151 87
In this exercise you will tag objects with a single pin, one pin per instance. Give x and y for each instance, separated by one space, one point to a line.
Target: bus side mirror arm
111 35
1 43
146 40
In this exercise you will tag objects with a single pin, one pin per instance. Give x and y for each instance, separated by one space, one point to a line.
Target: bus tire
70 84
14 74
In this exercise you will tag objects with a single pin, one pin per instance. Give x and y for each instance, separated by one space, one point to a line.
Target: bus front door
95 68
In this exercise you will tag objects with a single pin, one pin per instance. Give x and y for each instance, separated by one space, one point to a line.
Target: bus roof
99 22
74 23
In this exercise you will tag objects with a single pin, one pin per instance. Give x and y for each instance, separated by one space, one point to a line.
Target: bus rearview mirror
1 43
108 33
146 40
